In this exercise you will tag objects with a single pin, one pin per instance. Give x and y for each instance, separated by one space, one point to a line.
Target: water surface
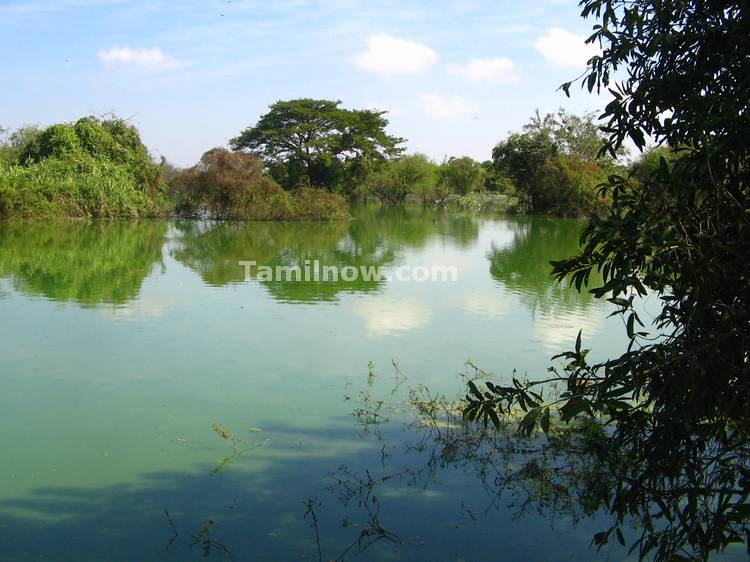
121 343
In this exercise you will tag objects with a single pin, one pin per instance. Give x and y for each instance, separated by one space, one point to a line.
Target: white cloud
562 48
447 106
148 58
389 55
498 70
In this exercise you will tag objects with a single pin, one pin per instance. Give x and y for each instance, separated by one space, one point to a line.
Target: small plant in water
239 446
201 538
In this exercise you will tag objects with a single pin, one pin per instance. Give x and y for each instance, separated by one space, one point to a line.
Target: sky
455 76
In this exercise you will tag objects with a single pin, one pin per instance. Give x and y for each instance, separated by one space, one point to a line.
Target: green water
121 344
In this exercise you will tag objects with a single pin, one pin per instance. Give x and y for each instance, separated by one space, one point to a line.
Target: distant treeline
303 160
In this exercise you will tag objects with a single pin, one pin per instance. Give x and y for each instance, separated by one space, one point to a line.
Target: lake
160 402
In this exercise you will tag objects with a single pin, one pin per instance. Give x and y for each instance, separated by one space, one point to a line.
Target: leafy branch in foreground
676 402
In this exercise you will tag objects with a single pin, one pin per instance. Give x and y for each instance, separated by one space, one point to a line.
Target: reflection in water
486 304
524 267
88 264
106 263
132 401
437 443
385 316
375 238
481 482
214 251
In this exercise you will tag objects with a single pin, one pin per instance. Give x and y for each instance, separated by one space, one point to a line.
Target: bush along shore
99 168
304 160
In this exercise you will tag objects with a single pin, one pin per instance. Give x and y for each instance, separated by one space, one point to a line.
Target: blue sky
455 76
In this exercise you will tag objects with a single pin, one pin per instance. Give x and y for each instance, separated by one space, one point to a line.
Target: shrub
569 187
88 169
462 175
388 187
233 185
412 175
84 188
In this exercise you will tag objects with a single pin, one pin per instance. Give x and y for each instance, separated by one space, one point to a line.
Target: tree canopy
318 143
462 175
553 163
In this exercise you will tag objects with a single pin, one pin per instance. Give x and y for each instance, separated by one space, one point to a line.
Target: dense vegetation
317 143
97 168
552 167
233 185
90 168
301 161
675 452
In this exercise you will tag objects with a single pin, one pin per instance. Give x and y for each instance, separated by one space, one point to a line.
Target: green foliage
227 185
317 143
678 401
86 188
58 141
649 164
416 177
553 164
418 174
88 169
567 186
521 158
110 140
496 180
413 174
13 143
462 175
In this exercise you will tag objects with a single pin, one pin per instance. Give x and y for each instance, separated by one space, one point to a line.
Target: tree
556 143
496 180
319 144
462 175
521 158
5 153
575 135
677 402
649 163
13 143
388 186
413 174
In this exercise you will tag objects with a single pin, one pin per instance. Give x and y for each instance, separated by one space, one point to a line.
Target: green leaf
544 422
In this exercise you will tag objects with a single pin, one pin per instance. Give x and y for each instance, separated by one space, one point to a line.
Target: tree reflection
524 267
87 264
376 238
